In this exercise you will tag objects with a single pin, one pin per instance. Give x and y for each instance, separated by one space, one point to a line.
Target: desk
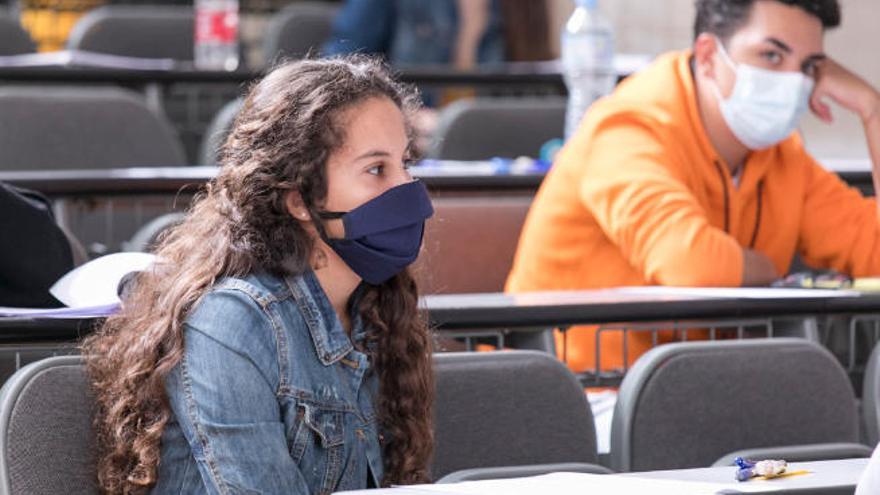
514 76
553 309
36 330
826 477
170 180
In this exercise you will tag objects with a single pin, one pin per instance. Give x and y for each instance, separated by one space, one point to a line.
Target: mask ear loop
319 216
729 61
724 54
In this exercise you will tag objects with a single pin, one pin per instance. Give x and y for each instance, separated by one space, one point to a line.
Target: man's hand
835 82
757 269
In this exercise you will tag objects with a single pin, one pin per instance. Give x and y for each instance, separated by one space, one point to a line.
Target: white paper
572 484
602 404
60 313
96 282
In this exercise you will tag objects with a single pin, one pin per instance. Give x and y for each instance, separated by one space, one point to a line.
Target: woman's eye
375 170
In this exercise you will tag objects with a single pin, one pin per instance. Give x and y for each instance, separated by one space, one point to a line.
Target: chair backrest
508 409
871 398
687 404
47 443
148 31
75 128
298 30
14 40
217 130
482 128
470 243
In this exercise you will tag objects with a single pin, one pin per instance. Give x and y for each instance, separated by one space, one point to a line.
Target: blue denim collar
332 343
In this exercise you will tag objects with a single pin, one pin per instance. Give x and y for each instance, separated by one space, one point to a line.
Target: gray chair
76 128
470 243
504 409
14 357
216 132
14 40
148 31
482 128
47 443
298 30
688 404
871 398
147 236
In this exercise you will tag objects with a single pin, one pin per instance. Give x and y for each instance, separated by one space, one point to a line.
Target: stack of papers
90 290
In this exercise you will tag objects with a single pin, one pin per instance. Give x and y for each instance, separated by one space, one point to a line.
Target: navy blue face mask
384 235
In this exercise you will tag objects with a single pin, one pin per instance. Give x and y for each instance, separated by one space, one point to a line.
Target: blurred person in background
460 34
691 172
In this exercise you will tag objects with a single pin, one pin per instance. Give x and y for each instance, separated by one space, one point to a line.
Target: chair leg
540 340
804 328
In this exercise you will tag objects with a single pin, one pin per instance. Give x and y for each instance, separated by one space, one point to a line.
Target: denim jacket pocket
317 444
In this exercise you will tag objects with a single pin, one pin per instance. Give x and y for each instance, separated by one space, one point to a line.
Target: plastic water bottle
587 60
216 34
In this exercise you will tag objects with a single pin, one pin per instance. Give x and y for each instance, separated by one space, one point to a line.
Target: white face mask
765 106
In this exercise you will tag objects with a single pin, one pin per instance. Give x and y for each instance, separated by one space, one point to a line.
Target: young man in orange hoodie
691 174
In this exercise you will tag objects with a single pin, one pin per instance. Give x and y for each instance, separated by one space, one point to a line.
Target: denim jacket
271 396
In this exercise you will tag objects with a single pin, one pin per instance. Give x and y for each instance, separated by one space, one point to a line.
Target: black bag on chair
34 252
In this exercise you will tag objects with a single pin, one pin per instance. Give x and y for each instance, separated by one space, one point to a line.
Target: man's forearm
872 135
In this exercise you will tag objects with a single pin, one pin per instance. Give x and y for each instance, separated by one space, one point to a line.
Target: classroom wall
655 26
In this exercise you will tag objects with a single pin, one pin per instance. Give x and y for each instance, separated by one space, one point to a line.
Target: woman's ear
296 206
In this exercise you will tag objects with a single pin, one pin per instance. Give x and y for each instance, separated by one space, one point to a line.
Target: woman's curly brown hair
280 142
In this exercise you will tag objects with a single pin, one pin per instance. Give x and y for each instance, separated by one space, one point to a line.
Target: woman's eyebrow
373 154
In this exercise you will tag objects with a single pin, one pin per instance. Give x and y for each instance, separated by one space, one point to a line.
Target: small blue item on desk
744 469
744 474
770 468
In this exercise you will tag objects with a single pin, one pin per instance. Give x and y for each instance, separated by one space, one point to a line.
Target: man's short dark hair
724 17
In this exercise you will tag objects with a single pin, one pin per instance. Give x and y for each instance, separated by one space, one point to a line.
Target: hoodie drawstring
727 205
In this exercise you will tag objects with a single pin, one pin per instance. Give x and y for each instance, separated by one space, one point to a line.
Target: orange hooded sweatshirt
639 196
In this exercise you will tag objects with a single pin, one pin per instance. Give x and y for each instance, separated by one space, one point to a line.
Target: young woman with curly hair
277 347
